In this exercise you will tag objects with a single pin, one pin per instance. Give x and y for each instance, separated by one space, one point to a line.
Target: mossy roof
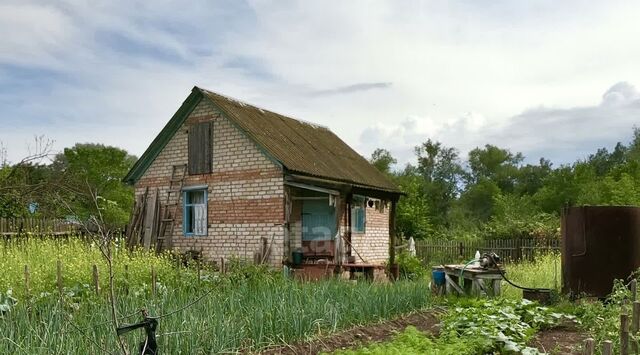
299 147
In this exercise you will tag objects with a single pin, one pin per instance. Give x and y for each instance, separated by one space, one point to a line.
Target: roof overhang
344 187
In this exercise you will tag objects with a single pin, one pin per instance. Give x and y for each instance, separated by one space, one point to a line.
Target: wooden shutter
200 157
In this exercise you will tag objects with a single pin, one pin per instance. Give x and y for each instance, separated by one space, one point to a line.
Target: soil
425 321
565 339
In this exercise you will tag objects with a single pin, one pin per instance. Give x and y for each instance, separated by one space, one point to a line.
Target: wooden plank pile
144 225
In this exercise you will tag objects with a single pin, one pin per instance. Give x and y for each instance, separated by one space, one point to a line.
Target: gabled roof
300 147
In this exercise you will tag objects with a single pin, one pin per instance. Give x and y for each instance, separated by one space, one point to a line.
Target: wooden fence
509 250
629 328
49 226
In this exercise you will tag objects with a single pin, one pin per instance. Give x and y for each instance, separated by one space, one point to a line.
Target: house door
318 220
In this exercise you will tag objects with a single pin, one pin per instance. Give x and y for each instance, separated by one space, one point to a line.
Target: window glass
358 214
195 212
318 220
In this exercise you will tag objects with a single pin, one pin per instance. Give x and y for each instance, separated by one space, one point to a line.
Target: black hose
509 281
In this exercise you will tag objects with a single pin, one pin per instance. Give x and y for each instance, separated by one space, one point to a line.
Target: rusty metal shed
599 244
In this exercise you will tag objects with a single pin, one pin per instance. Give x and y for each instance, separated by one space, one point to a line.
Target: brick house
233 180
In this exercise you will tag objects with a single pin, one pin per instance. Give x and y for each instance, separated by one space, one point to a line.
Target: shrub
410 267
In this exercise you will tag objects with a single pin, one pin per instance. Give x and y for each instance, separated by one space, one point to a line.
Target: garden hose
504 276
461 278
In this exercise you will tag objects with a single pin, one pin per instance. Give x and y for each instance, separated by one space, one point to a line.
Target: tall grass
543 272
244 315
247 310
77 257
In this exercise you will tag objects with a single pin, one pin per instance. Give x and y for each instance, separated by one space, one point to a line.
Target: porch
333 228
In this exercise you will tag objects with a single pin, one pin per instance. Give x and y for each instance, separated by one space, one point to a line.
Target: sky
551 79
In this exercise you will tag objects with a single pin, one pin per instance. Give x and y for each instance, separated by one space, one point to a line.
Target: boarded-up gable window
200 147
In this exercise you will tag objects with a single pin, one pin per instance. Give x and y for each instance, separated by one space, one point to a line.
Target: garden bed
425 321
566 339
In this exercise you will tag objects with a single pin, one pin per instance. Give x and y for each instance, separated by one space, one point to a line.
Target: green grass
544 272
77 259
249 309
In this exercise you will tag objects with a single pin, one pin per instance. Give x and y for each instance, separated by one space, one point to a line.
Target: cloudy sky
547 78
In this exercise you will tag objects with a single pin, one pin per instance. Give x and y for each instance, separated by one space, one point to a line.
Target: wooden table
474 280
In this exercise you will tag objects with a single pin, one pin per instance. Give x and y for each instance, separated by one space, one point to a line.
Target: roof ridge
244 103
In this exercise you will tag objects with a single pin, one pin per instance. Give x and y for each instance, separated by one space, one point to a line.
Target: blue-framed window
195 211
358 214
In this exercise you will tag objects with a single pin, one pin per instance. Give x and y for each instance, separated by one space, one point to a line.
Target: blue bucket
438 277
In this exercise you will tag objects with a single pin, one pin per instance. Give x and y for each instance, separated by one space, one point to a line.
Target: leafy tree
93 182
26 182
633 151
516 216
494 164
560 190
478 199
442 175
413 210
382 160
531 178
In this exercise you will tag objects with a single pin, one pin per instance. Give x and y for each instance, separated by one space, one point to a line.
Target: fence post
607 347
27 289
624 334
153 281
96 283
126 278
635 324
59 276
199 270
222 268
589 346
461 250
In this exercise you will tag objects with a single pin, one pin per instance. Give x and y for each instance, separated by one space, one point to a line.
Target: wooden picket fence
49 226
509 250
629 328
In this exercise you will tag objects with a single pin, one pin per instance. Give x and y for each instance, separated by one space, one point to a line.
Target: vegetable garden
252 309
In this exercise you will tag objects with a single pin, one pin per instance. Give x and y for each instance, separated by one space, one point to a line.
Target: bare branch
42 149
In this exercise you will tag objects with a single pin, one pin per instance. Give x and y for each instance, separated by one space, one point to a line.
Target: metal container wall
599 244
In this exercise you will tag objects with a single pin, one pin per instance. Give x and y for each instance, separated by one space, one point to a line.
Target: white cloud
457 71
562 134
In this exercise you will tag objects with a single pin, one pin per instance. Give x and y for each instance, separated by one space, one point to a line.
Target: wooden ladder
171 205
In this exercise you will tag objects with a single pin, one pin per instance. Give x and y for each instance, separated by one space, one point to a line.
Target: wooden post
624 334
392 236
635 324
199 270
153 281
59 276
126 278
27 288
222 268
607 347
633 287
96 283
589 346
